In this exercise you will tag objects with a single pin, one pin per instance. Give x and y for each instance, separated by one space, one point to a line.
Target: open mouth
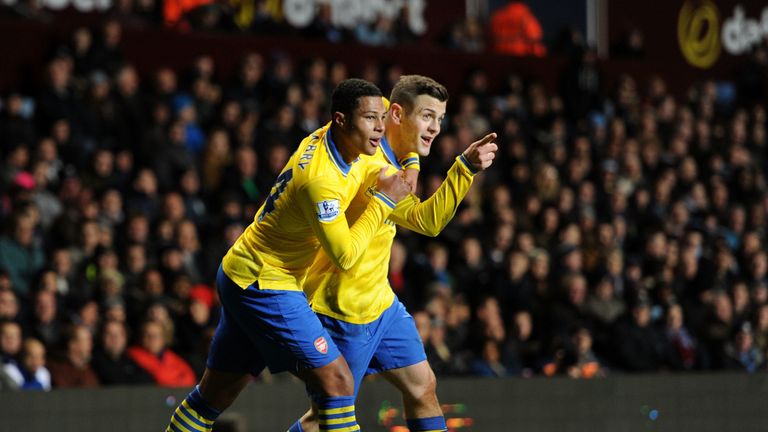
375 141
427 141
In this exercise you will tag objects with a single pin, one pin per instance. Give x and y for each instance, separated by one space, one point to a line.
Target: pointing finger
488 138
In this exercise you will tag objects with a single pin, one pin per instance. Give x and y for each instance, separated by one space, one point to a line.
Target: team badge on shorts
321 345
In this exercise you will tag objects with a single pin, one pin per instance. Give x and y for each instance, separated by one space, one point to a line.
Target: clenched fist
394 186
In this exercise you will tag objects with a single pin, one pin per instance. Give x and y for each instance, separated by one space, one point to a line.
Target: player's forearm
432 216
346 248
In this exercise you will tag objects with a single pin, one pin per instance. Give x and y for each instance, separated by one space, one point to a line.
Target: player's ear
339 119
397 112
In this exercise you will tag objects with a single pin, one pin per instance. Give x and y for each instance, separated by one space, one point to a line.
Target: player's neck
347 151
395 141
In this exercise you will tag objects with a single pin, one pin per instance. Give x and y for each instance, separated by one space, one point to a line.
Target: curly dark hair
346 95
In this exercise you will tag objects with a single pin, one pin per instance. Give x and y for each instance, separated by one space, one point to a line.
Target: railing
714 402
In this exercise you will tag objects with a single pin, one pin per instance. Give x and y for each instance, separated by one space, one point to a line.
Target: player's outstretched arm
321 203
431 216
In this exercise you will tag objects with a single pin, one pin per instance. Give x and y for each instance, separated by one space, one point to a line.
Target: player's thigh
400 345
232 351
282 326
356 342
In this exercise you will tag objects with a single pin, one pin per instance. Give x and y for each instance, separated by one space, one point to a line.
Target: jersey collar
335 156
389 153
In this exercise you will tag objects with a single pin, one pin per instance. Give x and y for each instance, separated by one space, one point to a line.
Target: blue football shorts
262 328
390 342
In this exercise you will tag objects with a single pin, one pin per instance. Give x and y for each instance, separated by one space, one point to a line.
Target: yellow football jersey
360 295
304 213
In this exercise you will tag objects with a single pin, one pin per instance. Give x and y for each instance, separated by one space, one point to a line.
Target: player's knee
425 387
338 382
429 386
220 390
345 384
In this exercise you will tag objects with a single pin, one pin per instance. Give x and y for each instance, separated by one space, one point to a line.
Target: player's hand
394 186
482 153
411 177
411 167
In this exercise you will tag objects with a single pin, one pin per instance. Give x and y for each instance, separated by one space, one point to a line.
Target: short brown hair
409 87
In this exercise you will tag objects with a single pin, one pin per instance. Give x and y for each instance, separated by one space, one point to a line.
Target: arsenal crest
321 345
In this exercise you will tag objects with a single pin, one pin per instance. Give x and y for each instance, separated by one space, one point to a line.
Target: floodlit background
615 253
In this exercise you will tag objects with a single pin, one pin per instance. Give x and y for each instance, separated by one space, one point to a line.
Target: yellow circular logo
698 32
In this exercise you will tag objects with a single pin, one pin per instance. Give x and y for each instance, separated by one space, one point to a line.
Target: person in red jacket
517 31
174 11
165 366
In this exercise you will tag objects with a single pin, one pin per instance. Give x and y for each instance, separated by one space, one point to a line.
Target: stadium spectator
576 360
16 128
760 326
47 204
581 361
379 33
717 331
603 308
742 353
111 361
30 372
194 319
487 361
639 347
570 310
10 342
488 336
46 323
439 354
6 381
9 302
467 35
166 367
516 31
73 368
472 270
522 350
643 190
398 278
20 256
683 345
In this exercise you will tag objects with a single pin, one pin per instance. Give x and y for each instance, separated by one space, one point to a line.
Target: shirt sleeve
321 201
431 216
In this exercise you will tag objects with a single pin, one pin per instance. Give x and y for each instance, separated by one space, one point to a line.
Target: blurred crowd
621 229
510 28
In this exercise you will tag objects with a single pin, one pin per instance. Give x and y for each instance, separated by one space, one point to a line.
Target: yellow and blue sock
337 414
193 415
428 424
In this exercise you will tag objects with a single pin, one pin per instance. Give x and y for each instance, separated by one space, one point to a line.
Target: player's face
421 124
366 126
